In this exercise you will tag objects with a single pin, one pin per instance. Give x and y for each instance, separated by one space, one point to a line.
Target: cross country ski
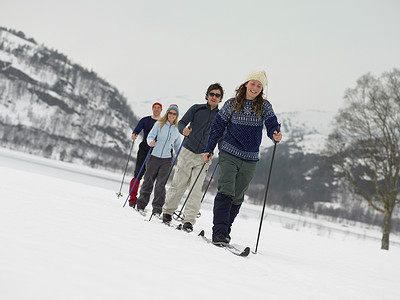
233 249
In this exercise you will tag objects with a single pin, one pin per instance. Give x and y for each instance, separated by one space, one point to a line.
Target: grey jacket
200 117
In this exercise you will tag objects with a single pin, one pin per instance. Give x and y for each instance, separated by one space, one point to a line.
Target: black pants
141 156
225 213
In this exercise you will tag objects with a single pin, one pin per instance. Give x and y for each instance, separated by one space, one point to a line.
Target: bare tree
365 143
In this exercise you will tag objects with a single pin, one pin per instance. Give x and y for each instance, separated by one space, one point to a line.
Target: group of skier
237 129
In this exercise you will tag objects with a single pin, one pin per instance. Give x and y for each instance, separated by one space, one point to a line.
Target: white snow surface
65 235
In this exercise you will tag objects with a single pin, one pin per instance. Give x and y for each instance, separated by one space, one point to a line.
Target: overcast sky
311 50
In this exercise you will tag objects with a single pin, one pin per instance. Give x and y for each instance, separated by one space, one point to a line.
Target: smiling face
156 110
172 116
253 89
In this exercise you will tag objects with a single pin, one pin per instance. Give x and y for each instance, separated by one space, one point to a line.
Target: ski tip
245 252
201 233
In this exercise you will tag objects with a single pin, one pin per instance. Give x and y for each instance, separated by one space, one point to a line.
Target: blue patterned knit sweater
244 129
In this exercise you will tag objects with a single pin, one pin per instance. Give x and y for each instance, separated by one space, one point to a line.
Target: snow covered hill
54 108
307 130
304 131
64 236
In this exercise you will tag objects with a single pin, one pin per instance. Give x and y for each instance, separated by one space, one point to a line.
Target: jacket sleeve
216 132
186 119
177 143
140 126
271 122
153 133
218 126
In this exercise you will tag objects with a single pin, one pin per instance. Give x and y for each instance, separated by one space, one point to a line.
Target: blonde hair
164 119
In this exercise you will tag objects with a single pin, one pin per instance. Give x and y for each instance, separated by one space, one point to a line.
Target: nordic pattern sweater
244 129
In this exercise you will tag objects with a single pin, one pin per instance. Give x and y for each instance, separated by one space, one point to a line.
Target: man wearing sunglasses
195 126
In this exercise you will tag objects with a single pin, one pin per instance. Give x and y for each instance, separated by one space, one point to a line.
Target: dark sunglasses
215 95
172 113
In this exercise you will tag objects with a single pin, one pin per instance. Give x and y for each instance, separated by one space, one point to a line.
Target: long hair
164 119
241 97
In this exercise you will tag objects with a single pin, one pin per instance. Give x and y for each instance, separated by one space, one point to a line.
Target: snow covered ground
65 235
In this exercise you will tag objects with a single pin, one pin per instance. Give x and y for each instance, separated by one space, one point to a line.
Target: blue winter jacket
167 138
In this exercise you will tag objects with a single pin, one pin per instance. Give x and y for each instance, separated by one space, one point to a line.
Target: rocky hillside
52 107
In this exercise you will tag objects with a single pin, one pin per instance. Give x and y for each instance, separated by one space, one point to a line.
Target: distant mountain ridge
54 108
306 131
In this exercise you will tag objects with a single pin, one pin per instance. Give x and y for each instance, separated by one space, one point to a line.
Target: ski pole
126 167
266 193
176 157
205 192
140 171
178 216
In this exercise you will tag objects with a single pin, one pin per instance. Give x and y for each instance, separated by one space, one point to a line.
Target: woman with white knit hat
243 117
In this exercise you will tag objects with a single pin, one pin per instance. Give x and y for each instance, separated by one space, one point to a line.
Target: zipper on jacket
166 140
206 127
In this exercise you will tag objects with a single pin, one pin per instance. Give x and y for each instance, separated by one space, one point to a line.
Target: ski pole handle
278 129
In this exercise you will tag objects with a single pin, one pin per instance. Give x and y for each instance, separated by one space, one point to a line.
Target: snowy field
65 235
